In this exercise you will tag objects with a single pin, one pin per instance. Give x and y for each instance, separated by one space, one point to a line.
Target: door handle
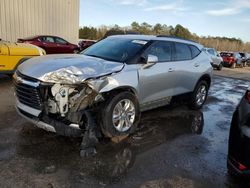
170 70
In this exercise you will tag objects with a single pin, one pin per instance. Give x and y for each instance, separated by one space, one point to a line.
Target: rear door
187 67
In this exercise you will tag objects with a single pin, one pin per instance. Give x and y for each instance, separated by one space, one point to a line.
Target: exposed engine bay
68 103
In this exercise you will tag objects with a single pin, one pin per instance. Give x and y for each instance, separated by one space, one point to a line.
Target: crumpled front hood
73 67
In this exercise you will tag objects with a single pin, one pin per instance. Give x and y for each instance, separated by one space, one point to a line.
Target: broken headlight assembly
66 99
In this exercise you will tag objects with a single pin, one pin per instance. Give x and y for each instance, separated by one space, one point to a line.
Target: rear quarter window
194 50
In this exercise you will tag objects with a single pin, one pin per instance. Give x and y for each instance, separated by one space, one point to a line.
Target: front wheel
199 95
120 115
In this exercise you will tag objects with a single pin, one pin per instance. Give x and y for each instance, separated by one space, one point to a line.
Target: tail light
247 96
237 164
241 167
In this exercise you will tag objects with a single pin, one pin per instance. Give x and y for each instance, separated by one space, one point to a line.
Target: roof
158 38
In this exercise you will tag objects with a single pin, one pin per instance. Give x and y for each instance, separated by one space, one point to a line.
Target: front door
157 82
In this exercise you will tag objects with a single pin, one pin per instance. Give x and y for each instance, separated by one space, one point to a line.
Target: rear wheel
199 95
120 115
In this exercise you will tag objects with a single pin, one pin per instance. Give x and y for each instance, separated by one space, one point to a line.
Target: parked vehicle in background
231 59
85 43
239 139
51 44
13 54
111 82
217 60
245 58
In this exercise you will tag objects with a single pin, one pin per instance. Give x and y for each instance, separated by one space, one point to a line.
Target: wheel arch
206 78
122 89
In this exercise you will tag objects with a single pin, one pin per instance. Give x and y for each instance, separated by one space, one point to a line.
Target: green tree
180 31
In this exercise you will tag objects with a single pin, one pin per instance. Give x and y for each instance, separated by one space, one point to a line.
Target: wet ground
175 147
238 73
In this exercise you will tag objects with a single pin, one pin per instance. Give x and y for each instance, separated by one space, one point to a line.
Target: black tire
193 102
219 67
107 126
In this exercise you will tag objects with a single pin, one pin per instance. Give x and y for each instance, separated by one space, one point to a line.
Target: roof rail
174 37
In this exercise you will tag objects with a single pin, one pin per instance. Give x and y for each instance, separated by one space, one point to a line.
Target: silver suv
111 83
217 60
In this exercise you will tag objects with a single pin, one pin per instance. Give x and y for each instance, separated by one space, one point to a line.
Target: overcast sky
230 18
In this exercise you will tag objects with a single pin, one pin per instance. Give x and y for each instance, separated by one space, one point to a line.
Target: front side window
182 52
161 49
116 49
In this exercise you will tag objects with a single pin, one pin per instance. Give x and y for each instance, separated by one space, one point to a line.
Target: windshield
115 49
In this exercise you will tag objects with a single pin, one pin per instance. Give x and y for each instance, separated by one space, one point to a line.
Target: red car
83 44
51 44
231 59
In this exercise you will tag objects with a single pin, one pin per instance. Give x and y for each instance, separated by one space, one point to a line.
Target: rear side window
182 52
195 51
226 54
211 52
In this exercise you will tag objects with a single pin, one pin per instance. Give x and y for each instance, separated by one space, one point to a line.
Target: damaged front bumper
60 108
64 101
32 115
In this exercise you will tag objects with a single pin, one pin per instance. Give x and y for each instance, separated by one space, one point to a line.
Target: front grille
27 93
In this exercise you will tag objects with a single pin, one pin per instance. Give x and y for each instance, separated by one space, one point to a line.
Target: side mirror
151 60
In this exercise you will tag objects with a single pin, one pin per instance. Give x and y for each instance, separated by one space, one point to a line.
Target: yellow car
13 54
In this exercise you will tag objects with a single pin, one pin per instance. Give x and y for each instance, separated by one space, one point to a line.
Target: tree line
219 43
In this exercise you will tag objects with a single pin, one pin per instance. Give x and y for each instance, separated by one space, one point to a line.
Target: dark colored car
245 58
238 162
231 59
51 44
83 44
